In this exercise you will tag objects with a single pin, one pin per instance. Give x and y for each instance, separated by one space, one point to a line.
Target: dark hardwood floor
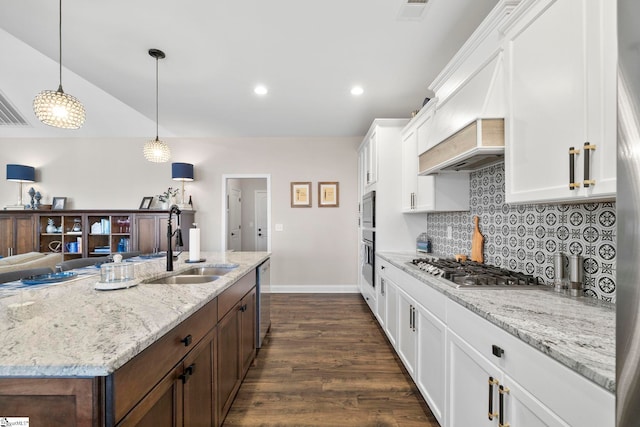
326 362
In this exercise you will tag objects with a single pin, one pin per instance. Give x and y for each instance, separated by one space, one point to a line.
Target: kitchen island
72 331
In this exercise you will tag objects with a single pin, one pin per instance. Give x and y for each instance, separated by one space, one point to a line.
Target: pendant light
56 108
155 150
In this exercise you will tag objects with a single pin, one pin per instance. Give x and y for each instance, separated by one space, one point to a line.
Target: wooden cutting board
477 242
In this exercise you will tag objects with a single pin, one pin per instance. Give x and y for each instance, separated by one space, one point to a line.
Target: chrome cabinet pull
587 164
492 382
414 319
572 159
502 390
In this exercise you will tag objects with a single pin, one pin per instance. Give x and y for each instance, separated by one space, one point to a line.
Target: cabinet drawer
424 294
133 380
229 298
574 398
388 270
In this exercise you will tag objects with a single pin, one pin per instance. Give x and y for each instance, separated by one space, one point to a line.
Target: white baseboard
314 289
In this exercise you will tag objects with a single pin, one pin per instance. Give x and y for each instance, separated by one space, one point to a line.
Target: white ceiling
308 53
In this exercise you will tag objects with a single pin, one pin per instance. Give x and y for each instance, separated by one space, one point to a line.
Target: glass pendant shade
59 109
56 108
156 151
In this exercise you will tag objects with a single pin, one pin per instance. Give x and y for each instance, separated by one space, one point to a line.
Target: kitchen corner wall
525 237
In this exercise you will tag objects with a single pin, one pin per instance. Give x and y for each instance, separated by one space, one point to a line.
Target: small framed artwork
146 202
328 195
300 194
58 203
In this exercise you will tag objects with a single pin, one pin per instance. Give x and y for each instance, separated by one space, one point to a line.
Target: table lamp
21 174
182 172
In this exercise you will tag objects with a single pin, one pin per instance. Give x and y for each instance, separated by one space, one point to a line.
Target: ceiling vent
9 115
412 10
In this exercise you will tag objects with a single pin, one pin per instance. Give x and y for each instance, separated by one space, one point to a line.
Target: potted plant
168 198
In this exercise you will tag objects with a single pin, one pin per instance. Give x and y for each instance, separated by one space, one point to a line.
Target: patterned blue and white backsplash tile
525 237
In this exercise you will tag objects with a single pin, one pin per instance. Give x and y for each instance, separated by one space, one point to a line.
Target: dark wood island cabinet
187 377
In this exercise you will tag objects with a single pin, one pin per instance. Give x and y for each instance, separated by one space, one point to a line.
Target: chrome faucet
173 210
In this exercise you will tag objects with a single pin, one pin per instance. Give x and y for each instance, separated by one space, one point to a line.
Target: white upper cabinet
561 58
445 192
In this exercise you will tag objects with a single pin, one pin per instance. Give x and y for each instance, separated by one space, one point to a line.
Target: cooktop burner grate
474 275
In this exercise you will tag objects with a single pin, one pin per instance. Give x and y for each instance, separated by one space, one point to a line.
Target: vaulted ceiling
309 54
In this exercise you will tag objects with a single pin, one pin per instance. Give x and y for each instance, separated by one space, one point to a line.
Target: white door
262 229
235 219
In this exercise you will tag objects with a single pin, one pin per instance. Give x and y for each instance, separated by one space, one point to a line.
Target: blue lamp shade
21 173
182 171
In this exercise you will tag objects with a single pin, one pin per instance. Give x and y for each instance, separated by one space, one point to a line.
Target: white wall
316 247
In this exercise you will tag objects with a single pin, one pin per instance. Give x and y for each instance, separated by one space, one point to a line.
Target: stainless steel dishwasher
263 303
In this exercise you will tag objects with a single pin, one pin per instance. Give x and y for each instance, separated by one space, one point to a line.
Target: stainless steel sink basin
209 271
185 279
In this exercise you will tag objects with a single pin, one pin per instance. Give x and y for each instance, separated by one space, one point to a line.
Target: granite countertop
71 329
577 332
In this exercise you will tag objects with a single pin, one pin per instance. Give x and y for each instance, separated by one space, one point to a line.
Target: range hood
476 145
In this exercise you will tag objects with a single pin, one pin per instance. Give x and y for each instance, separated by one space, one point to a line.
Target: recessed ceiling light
260 90
357 90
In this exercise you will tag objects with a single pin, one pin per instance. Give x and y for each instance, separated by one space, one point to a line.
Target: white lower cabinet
481 395
391 328
469 374
431 362
467 368
537 390
407 337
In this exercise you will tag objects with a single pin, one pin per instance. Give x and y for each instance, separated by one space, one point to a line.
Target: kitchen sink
183 279
209 271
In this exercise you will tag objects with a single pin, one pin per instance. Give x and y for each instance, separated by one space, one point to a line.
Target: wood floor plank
326 363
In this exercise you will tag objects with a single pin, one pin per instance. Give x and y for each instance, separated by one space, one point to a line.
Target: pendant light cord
60 42
156 97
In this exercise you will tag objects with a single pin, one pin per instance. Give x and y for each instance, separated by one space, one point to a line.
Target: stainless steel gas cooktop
474 275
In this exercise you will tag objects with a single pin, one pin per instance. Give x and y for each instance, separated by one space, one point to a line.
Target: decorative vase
51 228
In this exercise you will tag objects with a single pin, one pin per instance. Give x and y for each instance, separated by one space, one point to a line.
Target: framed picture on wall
328 195
58 203
300 194
146 202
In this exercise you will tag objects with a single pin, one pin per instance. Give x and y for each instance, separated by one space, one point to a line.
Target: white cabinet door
381 300
409 170
391 296
471 397
371 160
520 408
431 366
561 85
407 339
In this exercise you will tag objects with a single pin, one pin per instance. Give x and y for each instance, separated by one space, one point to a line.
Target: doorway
246 212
